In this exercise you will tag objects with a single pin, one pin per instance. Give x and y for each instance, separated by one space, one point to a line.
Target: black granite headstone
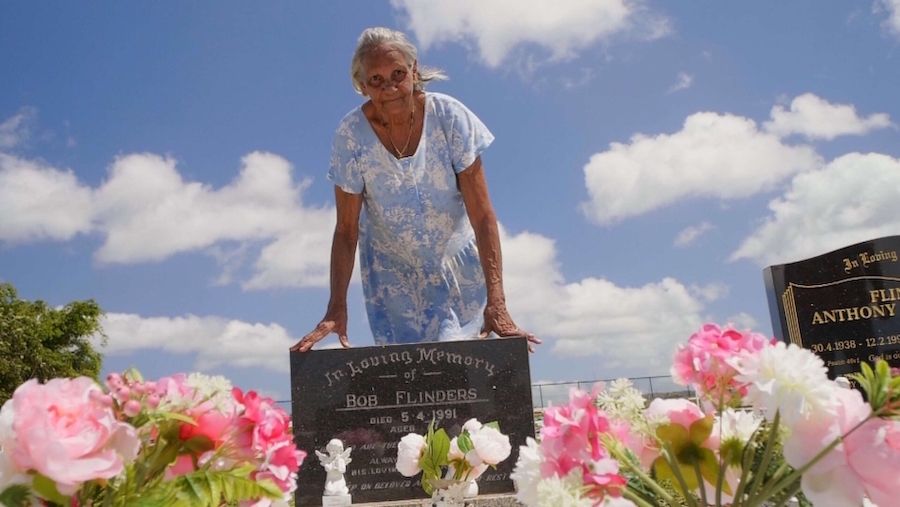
843 305
370 397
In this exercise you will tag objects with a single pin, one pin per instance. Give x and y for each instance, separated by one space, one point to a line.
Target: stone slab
843 305
370 397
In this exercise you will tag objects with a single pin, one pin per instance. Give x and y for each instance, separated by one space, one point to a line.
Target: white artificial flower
454 453
409 450
562 492
472 425
215 389
620 386
490 445
527 473
736 424
787 379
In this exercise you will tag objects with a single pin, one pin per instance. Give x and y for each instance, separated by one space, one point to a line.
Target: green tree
37 341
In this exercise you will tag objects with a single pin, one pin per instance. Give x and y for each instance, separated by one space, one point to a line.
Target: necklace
412 117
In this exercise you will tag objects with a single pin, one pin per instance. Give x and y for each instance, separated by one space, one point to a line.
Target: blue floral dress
421 274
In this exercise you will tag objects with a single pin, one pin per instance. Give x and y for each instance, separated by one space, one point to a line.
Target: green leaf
17 495
701 429
199 444
178 417
134 374
435 455
493 424
46 488
210 488
464 442
675 434
663 468
709 469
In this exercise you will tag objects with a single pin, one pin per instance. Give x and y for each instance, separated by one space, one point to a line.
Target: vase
471 491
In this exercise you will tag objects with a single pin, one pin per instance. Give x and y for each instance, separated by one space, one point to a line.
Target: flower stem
644 478
701 483
746 464
773 488
637 499
767 454
676 470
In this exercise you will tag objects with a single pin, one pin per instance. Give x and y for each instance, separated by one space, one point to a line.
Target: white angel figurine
335 464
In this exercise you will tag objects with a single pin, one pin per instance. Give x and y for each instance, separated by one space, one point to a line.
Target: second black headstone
370 397
843 305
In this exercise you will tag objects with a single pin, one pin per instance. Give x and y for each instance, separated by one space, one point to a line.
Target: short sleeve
467 136
344 169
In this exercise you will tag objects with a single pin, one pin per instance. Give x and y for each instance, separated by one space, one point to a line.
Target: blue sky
651 158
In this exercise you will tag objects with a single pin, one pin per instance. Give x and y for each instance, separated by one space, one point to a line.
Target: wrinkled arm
343 246
343 255
473 186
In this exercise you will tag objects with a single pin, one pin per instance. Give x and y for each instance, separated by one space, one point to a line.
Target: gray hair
372 38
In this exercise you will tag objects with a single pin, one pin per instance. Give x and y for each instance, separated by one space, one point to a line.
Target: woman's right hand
335 321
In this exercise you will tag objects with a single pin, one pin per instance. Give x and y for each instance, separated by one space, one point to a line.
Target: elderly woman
411 191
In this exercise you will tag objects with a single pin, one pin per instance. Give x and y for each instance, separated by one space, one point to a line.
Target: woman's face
389 81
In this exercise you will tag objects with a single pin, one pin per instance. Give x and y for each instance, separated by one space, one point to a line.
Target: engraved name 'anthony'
429 355
879 308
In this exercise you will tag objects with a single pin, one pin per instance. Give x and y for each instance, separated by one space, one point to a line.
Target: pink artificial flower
602 478
643 446
571 440
865 463
705 361
173 387
210 423
63 432
677 410
183 465
264 434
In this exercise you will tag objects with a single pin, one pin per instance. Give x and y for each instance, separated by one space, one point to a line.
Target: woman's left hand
498 320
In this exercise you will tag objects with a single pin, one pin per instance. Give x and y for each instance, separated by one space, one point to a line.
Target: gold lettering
817 319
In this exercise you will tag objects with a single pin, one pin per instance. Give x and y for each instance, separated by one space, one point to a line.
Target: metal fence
544 395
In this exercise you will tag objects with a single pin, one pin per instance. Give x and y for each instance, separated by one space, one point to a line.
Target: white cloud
817 118
216 341
684 81
690 234
851 200
710 292
15 130
147 212
743 321
594 317
39 202
301 258
499 26
892 23
714 155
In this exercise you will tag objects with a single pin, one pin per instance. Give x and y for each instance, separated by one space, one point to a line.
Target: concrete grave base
479 501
